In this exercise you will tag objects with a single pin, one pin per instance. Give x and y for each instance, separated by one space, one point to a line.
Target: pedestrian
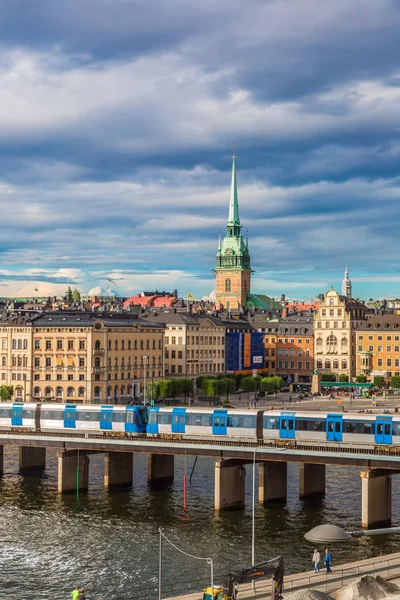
328 561
82 595
235 591
290 398
315 559
75 593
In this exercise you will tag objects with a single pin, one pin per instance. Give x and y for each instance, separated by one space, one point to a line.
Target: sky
117 119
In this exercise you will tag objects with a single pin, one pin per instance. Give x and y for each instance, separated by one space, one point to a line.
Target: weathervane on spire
233 150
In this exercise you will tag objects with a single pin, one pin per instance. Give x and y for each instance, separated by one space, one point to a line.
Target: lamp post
144 374
333 533
253 517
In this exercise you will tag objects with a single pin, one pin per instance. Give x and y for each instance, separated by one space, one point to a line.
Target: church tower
346 285
233 271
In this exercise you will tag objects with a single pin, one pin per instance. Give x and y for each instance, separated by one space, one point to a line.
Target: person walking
75 593
315 559
82 595
328 561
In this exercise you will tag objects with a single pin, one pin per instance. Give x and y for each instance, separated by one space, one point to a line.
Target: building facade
295 349
233 270
378 347
335 322
80 356
194 344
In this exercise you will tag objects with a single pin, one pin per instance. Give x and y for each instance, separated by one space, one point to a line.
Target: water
108 542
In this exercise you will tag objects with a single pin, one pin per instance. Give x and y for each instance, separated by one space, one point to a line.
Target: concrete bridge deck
387 566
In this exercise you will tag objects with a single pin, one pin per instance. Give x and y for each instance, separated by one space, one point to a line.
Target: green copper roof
233 218
261 301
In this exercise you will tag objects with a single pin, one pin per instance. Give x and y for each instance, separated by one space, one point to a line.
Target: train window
243 421
5 413
119 417
152 416
330 426
271 422
89 416
56 415
379 428
29 414
165 418
395 428
365 427
317 425
291 424
350 428
193 419
284 424
216 421
132 417
143 413
206 420
387 428
338 426
302 425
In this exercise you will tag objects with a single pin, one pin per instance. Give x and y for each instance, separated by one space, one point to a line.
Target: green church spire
233 218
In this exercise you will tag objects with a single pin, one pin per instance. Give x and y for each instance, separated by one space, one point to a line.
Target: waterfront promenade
387 566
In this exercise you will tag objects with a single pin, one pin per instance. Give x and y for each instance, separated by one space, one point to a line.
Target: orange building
295 349
378 347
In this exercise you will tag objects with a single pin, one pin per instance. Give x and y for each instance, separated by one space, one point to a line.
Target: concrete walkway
387 566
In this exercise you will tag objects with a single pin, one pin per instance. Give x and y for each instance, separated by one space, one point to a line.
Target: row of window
334 364
59 344
379 338
195 340
292 352
395 349
294 365
331 340
292 340
335 325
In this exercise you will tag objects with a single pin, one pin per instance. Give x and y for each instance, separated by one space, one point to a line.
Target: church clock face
227 251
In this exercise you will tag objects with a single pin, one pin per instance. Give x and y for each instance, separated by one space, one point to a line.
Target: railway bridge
377 464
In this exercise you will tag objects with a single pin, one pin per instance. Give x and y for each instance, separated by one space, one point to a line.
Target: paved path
387 566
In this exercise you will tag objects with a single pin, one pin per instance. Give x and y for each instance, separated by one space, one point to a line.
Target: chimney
284 312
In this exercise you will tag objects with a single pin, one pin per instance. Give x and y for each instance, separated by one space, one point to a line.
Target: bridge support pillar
118 469
311 480
160 467
31 458
1 460
376 504
272 482
68 461
230 479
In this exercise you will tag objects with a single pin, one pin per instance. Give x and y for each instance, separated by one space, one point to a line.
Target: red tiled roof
164 301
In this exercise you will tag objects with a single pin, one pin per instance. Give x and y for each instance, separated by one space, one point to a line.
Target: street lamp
144 358
332 533
208 560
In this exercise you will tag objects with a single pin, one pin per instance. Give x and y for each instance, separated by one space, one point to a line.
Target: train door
70 416
383 431
287 426
106 413
334 428
220 422
17 413
178 420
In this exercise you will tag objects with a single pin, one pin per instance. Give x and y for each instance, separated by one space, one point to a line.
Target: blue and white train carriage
283 425
85 417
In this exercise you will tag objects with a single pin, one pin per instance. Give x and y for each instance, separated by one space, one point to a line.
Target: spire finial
233 218
233 151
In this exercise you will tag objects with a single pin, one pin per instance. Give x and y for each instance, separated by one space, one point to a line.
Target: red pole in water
184 492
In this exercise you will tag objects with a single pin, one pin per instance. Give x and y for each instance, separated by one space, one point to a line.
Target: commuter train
73 417
274 425
248 425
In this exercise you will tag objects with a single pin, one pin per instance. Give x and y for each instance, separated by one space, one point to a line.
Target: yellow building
194 344
79 356
335 321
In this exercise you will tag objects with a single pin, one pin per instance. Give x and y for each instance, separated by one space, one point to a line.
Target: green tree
343 378
6 393
187 386
379 381
165 388
328 377
210 387
152 390
395 382
361 379
278 383
238 379
267 386
76 296
222 387
177 387
249 385
230 387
